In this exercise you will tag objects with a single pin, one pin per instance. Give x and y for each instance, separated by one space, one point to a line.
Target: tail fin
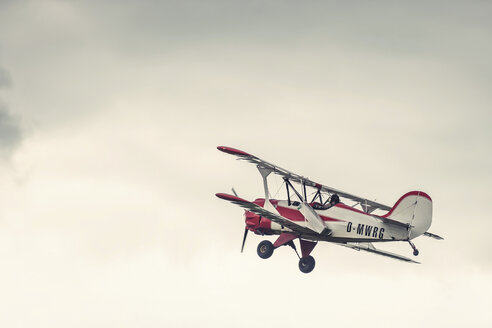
414 208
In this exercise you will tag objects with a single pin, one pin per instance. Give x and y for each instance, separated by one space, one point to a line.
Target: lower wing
252 207
369 247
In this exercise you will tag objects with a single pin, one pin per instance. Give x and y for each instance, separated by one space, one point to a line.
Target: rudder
414 208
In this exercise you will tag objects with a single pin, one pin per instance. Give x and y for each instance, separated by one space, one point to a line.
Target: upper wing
369 247
252 207
371 205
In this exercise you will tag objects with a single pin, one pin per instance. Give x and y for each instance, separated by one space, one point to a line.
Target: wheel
306 264
265 249
416 252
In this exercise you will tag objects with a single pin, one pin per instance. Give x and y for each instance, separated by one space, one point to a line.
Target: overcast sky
110 114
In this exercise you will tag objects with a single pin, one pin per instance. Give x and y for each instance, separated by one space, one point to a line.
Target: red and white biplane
326 218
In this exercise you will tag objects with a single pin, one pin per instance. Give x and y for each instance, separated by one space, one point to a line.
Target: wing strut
287 182
318 193
288 193
265 172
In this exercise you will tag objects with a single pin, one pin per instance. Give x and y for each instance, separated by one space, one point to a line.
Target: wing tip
230 197
233 151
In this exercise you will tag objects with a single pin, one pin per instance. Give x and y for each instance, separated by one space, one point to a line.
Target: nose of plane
252 221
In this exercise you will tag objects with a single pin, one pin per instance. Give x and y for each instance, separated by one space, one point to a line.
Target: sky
110 115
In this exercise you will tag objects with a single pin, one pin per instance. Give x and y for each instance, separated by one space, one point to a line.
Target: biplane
353 223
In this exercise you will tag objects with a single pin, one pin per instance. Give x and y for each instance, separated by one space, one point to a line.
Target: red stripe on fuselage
327 218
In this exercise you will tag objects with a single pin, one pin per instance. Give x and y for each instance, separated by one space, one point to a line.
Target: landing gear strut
291 244
415 250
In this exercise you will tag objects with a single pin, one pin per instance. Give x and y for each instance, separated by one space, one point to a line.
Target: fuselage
346 224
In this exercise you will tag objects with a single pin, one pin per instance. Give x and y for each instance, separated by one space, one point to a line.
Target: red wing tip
233 151
230 197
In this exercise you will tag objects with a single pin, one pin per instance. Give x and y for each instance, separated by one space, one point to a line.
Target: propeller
244 238
245 229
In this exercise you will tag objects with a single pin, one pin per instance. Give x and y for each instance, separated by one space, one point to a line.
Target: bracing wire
279 189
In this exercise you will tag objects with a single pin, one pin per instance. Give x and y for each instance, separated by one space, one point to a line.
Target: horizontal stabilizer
369 247
428 234
393 222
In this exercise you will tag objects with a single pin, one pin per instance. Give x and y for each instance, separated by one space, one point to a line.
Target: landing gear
265 249
415 250
306 264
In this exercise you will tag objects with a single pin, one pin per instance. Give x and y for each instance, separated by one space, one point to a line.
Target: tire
416 252
265 249
306 264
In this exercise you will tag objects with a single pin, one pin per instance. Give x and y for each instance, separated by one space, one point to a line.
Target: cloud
10 133
5 80
10 129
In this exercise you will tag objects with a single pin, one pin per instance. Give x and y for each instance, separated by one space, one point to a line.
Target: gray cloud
5 79
10 129
10 132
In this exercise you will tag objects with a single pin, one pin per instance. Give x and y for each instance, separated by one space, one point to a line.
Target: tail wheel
265 249
306 264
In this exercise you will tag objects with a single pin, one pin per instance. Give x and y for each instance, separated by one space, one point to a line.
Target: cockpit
334 199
